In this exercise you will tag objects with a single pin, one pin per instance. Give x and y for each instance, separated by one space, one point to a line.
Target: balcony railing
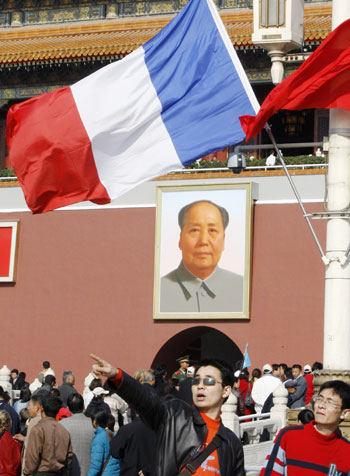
222 169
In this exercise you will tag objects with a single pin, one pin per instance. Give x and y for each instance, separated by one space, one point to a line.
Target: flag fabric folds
322 81
171 101
246 359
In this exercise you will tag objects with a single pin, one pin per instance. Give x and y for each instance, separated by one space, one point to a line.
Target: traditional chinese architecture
46 44
85 274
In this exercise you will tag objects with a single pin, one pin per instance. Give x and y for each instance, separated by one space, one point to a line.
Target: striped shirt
303 451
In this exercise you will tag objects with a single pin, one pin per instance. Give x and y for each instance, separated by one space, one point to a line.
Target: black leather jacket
180 431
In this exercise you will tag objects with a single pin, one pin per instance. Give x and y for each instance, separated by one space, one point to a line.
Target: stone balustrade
250 428
229 416
5 375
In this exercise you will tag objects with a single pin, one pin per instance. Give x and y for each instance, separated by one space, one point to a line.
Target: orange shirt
210 466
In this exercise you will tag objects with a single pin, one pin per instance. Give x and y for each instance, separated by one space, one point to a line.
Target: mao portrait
200 281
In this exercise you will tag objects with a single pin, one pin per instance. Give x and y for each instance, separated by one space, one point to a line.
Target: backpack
249 402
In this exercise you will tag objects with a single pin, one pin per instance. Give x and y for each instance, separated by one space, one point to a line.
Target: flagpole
336 343
296 193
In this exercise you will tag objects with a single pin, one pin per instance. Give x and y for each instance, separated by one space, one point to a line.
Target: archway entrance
198 342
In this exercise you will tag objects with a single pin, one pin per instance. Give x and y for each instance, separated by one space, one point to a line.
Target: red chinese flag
322 81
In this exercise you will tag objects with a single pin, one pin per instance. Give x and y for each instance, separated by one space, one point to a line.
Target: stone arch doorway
199 342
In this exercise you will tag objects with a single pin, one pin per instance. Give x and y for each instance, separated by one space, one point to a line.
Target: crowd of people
255 392
152 424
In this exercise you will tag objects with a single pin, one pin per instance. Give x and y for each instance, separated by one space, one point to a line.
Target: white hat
237 373
267 369
307 369
191 371
99 391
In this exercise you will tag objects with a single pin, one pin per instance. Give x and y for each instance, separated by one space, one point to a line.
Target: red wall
85 284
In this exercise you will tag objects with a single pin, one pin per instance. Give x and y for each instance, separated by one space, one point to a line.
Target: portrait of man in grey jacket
198 284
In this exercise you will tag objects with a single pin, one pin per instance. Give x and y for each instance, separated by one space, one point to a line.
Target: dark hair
305 416
37 398
25 394
14 371
160 371
317 366
50 379
95 382
20 382
110 422
288 373
75 403
275 366
244 376
183 212
341 389
110 387
46 364
256 373
101 419
51 405
284 366
297 366
54 391
245 373
4 395
225 368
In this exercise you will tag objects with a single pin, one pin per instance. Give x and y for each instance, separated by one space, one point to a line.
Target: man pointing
183 432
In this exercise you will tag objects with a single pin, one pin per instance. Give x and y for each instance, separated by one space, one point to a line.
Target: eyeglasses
207 381
327 402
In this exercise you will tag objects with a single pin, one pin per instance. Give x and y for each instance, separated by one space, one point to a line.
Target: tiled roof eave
116 38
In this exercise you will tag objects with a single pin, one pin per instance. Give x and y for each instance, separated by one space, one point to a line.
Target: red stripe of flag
322 81
51 154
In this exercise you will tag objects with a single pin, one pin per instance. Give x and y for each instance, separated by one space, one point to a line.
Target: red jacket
310 388
303 451
245 387
10 455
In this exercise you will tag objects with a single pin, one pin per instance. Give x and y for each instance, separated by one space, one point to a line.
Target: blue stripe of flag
198 86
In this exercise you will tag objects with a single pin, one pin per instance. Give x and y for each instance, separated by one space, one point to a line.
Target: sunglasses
207 381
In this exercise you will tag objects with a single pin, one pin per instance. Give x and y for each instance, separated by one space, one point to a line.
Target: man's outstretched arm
102 368
143 398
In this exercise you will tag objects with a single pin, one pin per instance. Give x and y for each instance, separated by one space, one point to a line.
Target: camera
236 162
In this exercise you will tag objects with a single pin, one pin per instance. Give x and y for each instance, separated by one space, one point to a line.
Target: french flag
171 101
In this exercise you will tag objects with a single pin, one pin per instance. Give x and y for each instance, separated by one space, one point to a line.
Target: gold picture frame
179 292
